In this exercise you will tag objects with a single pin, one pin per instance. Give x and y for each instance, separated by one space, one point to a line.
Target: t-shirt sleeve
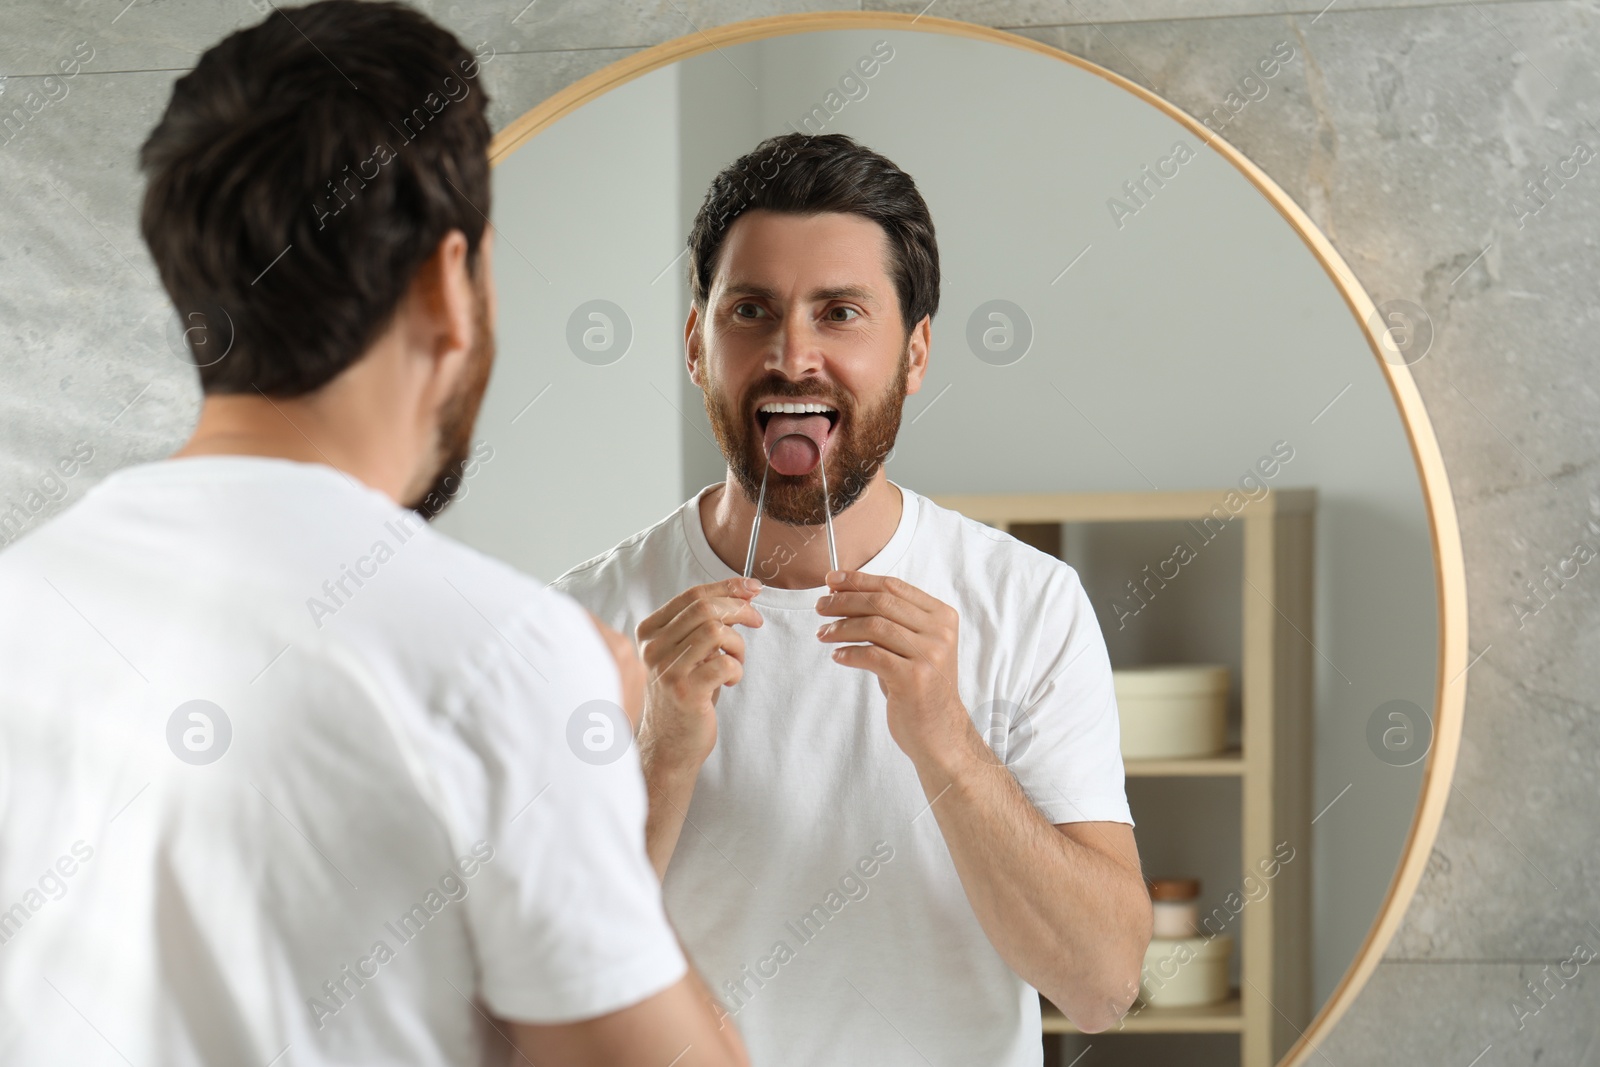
566 918
1064 746
594 588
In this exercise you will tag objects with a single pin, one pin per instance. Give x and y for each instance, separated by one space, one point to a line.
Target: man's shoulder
493 587
458 558
414 593
974 546
463 620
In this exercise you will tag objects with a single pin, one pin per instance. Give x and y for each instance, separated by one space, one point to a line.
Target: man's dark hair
301 175
801 174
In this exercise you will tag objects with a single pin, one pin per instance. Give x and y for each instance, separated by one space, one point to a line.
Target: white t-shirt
392 830
811 886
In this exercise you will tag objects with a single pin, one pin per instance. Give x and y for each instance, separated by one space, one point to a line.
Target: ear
918 343
692 345
442 321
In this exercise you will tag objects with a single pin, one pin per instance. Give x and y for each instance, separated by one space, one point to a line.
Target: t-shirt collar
716 570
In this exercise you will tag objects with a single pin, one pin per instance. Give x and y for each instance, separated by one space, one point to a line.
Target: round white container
1173 711
1186 972
1175 918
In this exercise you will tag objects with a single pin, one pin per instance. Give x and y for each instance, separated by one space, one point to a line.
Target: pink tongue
794 442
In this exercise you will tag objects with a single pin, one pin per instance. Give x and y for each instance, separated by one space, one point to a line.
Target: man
288 778
888 799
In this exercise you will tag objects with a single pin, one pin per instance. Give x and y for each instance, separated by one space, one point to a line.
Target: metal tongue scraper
827 513
761 500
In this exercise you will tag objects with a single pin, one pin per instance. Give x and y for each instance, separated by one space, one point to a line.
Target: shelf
1001 510
1224 1018
1227 763
1270 760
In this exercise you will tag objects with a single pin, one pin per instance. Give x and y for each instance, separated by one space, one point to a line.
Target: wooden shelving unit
1228 763
1224 1018
1273 1002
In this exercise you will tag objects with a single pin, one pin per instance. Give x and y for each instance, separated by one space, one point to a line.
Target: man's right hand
691 650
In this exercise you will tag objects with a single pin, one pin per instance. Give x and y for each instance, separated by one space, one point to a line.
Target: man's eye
843 314
746 310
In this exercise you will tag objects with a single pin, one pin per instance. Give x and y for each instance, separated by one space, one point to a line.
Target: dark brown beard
857 446
459 414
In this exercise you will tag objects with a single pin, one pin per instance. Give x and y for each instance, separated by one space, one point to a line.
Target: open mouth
765 412
795 433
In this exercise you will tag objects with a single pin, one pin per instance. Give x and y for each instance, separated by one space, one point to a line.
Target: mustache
774 386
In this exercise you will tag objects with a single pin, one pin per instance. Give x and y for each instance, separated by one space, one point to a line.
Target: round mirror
1146 361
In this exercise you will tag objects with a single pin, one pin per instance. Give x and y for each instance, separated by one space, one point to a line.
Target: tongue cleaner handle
761 500
755 527
827 512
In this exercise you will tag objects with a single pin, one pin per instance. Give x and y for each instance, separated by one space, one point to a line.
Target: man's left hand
908 639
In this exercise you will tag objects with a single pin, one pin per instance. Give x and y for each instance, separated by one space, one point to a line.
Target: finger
861 581
702 642
726 592
874 630
724 611
889 606
728 587
718 671
869 658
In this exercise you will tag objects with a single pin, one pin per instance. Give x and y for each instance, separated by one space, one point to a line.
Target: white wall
588 211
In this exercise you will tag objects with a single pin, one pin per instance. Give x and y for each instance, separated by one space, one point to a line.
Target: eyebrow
838 292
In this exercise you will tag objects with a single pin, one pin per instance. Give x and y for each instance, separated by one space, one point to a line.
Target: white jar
1175 918
1173 711
1175 907
1186 972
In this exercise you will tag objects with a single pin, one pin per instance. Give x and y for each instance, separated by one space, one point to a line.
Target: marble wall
1408 134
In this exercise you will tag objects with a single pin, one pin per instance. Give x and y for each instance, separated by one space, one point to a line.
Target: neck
306 429
796 557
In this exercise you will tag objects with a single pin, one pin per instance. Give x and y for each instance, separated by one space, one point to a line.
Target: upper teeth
795 409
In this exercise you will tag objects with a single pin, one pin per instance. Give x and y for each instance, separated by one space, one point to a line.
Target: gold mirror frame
1449 572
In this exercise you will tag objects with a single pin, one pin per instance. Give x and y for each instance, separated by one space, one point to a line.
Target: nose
797 348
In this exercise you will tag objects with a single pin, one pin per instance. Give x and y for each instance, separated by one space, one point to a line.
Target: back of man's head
301 174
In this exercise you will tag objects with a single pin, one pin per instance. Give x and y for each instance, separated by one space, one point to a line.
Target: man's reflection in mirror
867 867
